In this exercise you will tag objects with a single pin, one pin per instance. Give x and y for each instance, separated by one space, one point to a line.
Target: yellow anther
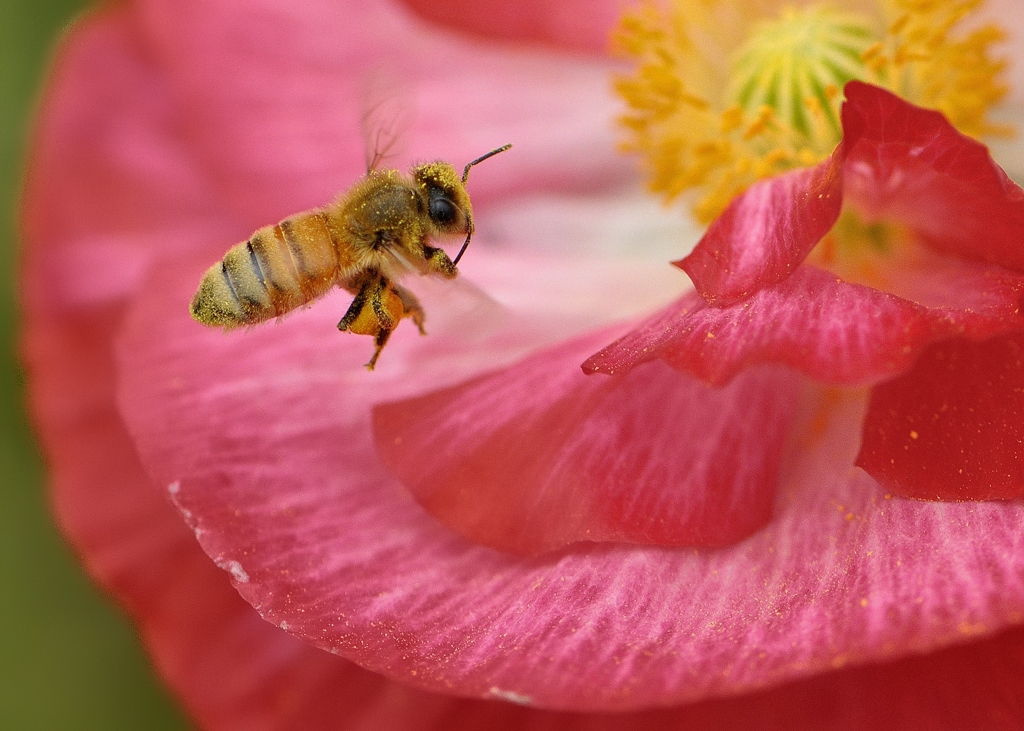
904 56
896 28
878 63
732 118
693 100
711 147
807 157
813 103
757 128
871 51
765 117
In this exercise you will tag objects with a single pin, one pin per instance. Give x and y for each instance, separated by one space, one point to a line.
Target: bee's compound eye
442 211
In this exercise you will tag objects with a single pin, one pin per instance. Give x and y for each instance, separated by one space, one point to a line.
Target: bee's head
448 203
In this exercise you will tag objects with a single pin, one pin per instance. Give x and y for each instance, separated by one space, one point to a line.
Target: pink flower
173 130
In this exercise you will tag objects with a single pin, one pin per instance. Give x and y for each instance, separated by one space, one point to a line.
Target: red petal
538 456
766 232
833 330
911 165
562 23
953 427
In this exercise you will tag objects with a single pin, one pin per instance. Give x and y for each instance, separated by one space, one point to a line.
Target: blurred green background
68 658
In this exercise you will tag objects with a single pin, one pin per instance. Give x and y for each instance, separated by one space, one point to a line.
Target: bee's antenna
465 177
492 153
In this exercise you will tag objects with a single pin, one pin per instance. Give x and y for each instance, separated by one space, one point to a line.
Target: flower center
856 249
796 65
724 95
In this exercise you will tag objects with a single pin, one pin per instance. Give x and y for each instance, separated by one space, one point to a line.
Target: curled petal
835 331
537 456
896 161
911 165
764 234
952 428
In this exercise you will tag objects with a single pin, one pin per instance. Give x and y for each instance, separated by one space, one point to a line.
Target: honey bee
364 242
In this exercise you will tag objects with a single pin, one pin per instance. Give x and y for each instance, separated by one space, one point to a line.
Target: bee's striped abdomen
278 269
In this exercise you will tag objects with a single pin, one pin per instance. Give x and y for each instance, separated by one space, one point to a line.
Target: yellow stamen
732 118
724 95
901 23
871 51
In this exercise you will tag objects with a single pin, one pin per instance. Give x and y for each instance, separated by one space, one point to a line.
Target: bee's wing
387 115
457 307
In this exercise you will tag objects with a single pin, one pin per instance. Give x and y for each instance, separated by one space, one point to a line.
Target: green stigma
796 65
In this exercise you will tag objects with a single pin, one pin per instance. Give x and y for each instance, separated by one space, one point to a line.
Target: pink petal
565 24
911 165
766 232
834 331
537 456
112 165
272 101
953 427
267 436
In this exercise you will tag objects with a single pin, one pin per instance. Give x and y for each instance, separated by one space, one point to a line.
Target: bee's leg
387 304
411 305
356 308
377 309
439 263
380 341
